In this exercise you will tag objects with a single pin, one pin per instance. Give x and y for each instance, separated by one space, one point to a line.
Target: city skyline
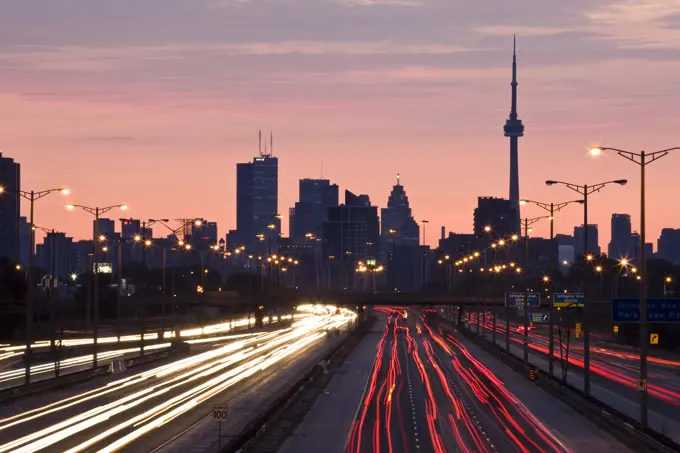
118 116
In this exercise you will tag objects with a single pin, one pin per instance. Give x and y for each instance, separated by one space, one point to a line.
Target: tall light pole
642 159
586 190
96 212
32 196
526 223
551 208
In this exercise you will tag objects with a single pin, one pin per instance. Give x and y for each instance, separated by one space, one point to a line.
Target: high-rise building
514 129
257 206
621 244
497 213
593 240
203 234
130 228
10 207
54 255
397 217
350 235
107 227
309 214
668 245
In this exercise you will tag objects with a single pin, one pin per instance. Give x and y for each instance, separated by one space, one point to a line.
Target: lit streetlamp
96 212
586 190
32 196
642 159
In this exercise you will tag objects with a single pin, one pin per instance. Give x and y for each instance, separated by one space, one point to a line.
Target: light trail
148 400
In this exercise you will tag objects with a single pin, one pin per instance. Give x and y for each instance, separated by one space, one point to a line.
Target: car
520 329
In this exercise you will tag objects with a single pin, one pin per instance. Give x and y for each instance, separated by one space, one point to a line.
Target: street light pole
96 212
641 159
32 196
551 208
586 190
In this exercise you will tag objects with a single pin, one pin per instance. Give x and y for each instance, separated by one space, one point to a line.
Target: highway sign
653 338
563 300
658 310
517 300
539 316
220 412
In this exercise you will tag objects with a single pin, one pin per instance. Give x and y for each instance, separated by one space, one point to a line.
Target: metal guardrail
619 425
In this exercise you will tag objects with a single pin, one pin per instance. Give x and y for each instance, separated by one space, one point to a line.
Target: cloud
508 30
638 24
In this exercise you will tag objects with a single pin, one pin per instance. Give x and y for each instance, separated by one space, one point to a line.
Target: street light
96 212
32 196
586 190
642 159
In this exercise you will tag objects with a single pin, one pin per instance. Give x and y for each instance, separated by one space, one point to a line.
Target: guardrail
623 427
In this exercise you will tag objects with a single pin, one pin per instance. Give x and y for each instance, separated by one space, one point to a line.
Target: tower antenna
260 142
271 143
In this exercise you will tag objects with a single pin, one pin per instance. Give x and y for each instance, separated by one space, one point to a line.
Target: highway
427 392
122 414
11 356
611 365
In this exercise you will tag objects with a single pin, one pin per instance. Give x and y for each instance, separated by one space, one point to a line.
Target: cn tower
514 129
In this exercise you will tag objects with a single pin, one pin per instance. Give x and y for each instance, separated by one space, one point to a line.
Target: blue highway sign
658 310
517 300
539 317
562 300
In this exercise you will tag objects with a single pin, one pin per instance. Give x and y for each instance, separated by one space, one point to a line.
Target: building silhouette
24 240
514 129
497 213
397 217
10 208
668 245
55 255
107 227
257 208
593 240
621 244
306 219
350 235
129 228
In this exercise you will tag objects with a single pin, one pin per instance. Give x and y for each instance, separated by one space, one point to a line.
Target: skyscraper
514 129
130 228
621 244
309 214
257 200
397 217
593 240
10 180
24 240
107 227
668 245
497 213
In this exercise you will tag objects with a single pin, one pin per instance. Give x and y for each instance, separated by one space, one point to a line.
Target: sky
153 102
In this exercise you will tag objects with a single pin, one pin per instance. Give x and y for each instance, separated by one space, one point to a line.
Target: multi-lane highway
112 347
610 364
428 393
119 415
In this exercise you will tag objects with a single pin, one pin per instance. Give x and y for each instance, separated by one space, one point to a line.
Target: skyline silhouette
158 116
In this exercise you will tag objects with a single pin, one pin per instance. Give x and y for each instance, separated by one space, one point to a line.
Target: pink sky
152 104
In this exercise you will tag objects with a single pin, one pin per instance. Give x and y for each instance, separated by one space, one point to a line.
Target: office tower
24 240
668 245
81 257
593 240
309 214
397 217
350 235
496 213
54 255
107 227
564 240
257 194
10 207
621 244
514 129
204 234
130 228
